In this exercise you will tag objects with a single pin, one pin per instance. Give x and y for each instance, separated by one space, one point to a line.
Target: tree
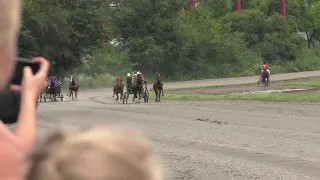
147 29
62 31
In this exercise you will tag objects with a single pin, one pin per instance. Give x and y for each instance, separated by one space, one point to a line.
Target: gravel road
219 140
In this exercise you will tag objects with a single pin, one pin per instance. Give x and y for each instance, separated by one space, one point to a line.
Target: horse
53 88
265 77
118 88
158 87
73 87
137 86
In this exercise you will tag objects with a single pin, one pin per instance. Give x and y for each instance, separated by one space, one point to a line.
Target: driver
129 83
139 73
57 81
265 66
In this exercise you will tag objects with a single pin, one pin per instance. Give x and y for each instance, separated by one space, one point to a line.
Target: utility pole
238 5
193 3
283 9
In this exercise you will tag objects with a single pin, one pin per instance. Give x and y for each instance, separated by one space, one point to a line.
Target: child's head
94 154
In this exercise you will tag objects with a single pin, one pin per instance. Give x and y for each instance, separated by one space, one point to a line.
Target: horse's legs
117 97
161 90
76 94
140 94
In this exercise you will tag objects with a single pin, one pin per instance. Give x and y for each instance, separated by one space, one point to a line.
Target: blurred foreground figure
107 153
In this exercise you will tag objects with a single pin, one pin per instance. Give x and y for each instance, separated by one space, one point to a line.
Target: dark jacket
9 106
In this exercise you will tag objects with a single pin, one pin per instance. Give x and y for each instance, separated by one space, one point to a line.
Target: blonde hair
10 17
94 154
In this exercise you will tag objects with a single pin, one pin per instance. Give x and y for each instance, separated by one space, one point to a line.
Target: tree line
209 41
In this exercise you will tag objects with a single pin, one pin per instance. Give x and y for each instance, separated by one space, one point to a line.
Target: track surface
220 140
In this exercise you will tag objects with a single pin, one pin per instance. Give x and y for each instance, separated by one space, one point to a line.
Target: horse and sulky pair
135 86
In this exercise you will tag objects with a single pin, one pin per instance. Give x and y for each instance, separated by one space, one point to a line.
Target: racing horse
137 86
53 88
73 87
265 77
118 88
158 88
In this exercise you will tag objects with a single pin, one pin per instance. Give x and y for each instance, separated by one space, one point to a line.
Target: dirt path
239 80
223 140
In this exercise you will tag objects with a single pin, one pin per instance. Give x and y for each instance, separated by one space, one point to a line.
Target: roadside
296 90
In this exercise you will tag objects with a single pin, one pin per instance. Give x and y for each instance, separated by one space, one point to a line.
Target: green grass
281 97
204 87
287 82
312 83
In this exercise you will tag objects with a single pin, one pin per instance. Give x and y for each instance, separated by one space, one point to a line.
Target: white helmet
138 72
128 74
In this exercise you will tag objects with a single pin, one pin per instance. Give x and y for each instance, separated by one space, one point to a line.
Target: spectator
13 146
94 154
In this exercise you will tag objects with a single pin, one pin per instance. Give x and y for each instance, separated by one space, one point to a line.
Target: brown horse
158 87
73 87
118 88
137 86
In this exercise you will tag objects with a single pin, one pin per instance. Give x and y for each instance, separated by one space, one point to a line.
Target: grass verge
287 82
281 97
312 83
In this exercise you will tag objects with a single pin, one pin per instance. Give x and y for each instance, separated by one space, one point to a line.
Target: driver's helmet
128 75
139 72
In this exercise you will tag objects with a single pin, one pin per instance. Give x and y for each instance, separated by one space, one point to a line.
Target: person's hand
13 151
14 145
33 85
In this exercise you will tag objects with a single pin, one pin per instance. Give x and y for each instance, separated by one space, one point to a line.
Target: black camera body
10 100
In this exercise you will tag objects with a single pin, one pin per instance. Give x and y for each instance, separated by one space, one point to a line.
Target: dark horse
73 87
53 89
137 86
118 88
158 87
265 77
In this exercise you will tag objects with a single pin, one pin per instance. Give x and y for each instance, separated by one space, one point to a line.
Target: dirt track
222 140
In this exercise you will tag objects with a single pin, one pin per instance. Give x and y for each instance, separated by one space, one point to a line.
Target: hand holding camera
33 80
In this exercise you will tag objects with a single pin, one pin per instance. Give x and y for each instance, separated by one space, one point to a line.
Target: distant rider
139 73
136 73
128 82
265 66
57 81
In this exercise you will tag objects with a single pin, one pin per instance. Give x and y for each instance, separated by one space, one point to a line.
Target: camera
9 100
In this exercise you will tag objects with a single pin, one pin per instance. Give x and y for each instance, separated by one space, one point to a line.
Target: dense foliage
151 35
